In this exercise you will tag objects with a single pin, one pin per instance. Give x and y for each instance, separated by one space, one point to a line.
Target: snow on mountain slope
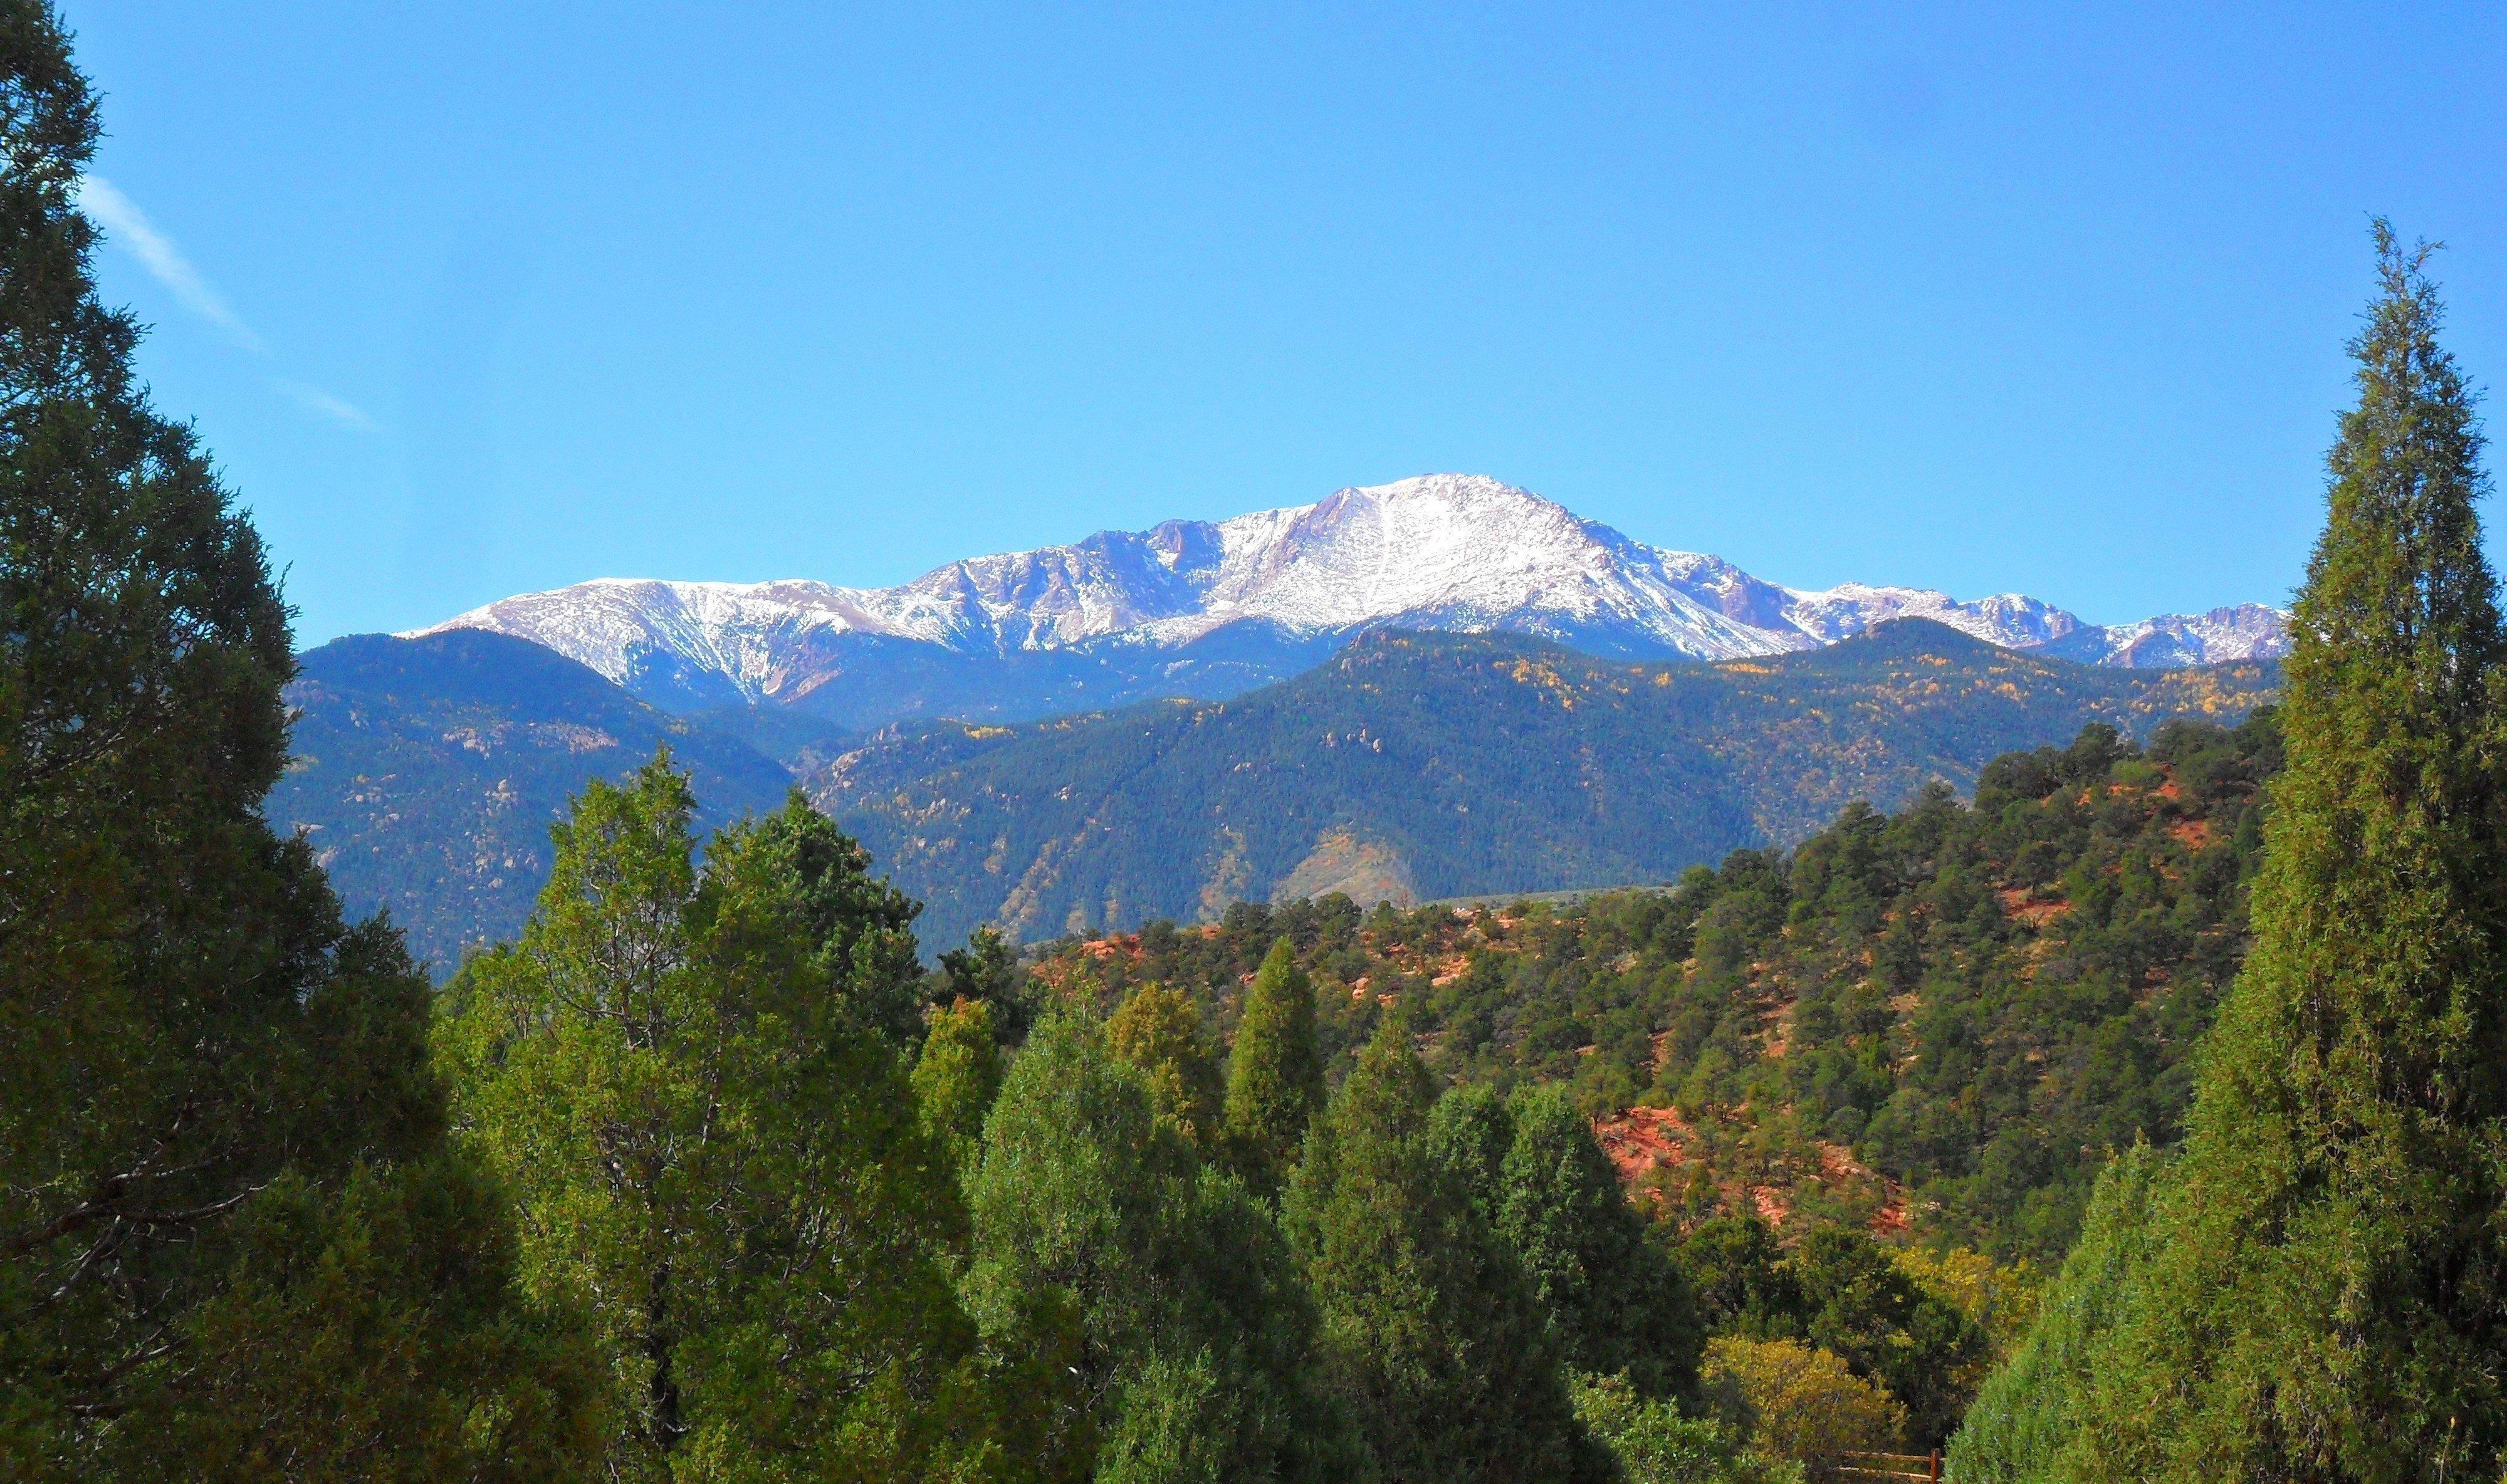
2247 631
1455 551
2008 619
1442 551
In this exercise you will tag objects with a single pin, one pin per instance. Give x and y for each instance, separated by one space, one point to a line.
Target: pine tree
1469 1131
1158 1031
862 925
986 969
1275 1071
230 1231
1431 1330
956 1077
1195 1341
1862 1306
2323 1292
711 1144
1617 1303
2027 1413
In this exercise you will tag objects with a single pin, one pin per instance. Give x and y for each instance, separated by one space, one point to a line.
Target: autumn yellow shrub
2000 1300
1800 1403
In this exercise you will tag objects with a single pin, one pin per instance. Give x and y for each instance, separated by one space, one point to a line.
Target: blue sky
471 300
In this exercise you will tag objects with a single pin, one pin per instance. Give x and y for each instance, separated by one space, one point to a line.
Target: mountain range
1207 610
425 773
1411 766
1417 766
1442 687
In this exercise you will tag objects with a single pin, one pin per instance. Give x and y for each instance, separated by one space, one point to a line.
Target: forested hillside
429 769
2135 1116
425 773
1417 767
1942 1020
2309 1286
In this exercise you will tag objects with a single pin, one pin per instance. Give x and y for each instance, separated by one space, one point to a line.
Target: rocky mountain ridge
1206 611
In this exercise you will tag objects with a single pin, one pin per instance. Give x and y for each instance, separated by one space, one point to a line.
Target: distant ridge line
1211 609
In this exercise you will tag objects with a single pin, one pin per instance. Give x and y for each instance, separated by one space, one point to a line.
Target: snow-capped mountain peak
1439 551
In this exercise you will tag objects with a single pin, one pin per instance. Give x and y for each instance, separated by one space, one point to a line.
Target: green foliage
349 1340
1431 1333
713 1148
1654 1444
1193 1352
427 771
226 1205
1274 1072
1999 1299
1430 766
985 968
861 928
1617 1303
2322 1291
1844 1293
1158 1032
1743 1283
1800 1403
2027 1415
1861 1306
956 1077
1469 1132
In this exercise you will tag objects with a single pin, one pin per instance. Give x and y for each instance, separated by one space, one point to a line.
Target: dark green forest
1979 1004
1424 766
2138 1118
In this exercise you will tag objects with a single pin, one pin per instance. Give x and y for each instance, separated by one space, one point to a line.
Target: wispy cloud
127 224
339 409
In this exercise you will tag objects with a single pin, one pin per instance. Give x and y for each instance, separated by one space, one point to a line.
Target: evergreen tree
1469 1131
1743 1284
1654 1444
1275 1071
1195 1341
861 926
1158 1031
956 1077
985 968
1859 1304
1431 1333
1617 1303
2027 1413
2323 1297
712 1145
369 1329
216 1118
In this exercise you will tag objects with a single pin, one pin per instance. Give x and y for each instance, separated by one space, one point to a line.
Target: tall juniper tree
1618 1302
2325 1290
1274 1072
1433 1333
690 1085
1190 1341
1158 1031
233 1239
